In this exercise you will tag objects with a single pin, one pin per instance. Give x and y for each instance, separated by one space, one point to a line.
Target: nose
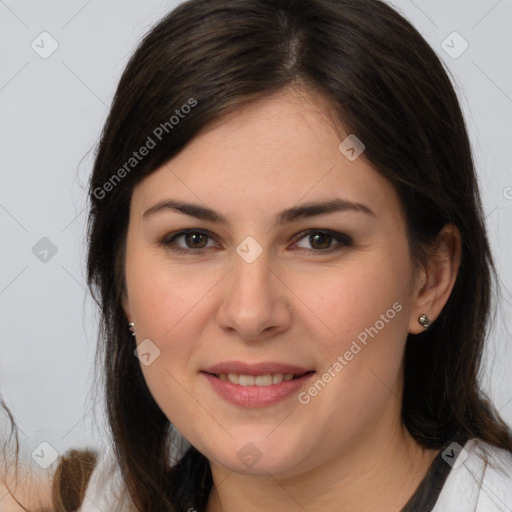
255 301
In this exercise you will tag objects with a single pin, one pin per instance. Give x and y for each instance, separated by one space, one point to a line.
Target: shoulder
105 490
480 480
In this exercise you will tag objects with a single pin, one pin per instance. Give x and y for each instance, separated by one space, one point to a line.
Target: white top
105 490
479 481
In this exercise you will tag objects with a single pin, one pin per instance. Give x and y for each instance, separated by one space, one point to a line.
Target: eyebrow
311 209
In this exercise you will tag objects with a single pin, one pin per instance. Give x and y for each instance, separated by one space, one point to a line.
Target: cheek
164 296
161 300
360 322
165 302
365 306
342 301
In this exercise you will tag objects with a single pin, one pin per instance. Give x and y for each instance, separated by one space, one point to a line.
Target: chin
260 456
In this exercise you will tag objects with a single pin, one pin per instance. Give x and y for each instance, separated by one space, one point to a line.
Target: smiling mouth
264 388
267 379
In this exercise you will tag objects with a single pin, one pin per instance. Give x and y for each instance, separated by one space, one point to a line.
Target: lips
256 385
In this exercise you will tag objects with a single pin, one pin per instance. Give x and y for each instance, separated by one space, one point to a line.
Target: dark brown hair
386 86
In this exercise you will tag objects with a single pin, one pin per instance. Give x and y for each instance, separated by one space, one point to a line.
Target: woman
287 246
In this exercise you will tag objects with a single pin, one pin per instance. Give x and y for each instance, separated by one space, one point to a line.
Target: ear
437 278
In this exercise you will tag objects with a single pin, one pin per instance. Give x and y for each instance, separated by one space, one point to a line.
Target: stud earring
131 328
424 321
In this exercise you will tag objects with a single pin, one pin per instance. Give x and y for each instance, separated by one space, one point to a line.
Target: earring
424 321
131 328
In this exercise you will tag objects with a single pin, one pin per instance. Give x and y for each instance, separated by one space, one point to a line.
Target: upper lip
241 368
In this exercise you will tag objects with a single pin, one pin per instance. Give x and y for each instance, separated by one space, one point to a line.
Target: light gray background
52 111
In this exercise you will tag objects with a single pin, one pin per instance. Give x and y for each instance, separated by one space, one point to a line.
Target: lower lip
256 396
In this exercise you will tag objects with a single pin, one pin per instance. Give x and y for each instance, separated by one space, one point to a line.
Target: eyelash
342 239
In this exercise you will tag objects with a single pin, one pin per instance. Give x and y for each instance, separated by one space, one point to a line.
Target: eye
321 241
194 241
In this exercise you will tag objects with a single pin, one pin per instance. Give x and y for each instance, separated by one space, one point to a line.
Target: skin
347 449
28 489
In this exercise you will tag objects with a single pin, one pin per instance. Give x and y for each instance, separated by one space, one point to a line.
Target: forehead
267 155
292 120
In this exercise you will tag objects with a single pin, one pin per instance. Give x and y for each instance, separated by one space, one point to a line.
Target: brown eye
190 241
321 241
195 240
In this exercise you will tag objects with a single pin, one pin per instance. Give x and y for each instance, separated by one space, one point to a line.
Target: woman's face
277 287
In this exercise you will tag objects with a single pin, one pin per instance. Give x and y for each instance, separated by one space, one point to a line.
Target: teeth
246 380
233 378
259 380
263 380
277 378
